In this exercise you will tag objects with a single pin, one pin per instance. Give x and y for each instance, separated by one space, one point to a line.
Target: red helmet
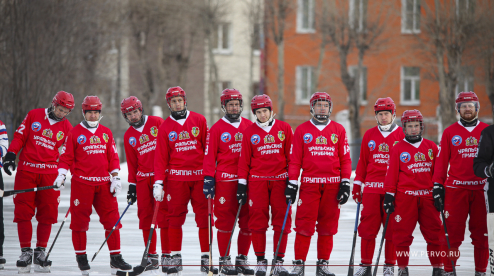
230 94
320 96
411 116
130 104
64 99
385 104
91 103
174 92
464 97
261 101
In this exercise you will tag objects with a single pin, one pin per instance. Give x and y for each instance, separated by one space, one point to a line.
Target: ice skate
403 271
83 264
226 266
298 268
25 261
41 265
153 262
389 270
261 268
242 266
322 268
205 266
165 261
175 265
279 269
118 263
480 273
363 271
437 271
2 262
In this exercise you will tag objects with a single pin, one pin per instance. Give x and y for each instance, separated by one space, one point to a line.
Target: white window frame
361 13
300 16
415 29
219 33
413 79
299 99
362 82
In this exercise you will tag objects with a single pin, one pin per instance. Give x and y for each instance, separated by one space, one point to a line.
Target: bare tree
254 11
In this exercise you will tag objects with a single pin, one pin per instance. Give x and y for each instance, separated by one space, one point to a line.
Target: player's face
321 108
412 128
263 114
468 111
233 107
384 117
134 116
177 103
61 111
92 115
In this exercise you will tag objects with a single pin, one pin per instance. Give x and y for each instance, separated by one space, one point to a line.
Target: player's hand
291 192
59 182
116 185
489 170
9 163
388 204
357 192
131 194
208 187
438 195
158 192
344 192
242 193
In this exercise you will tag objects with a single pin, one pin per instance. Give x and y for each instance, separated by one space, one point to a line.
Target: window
465 80
221 38
358 14
410 86
304 80
410 16
361 83
305 16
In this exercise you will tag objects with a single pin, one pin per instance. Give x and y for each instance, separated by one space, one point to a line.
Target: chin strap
470 123
317 122
232 120
413 139
178 115
269 122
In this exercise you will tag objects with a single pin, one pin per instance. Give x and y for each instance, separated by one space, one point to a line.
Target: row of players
256 174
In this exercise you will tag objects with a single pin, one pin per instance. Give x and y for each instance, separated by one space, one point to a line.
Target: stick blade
138 270
126 273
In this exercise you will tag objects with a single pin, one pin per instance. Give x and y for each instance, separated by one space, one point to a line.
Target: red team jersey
411 167
39 137
265 155
90 156
180 148
374 157
140 145
322 152
458 147
223 146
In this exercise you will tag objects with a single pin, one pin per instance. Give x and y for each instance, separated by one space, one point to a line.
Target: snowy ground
132 245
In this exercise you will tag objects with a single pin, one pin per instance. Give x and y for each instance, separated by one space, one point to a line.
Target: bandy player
40 135
321 150
223 147
180 150
370 173
140 145
262 174
409 181
92 158
459 189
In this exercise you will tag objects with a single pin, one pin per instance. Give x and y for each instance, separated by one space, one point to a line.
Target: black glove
242 193
489 170
388 205
344 192
131 194
291 192
438 195
9 163
208 187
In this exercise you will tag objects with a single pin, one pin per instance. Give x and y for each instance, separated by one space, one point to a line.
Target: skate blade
85 272
114 271
24 270
42 269
175 274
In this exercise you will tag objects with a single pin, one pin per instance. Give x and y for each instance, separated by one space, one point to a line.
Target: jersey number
21 129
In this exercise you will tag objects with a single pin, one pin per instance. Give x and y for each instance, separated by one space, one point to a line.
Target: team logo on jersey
168 197
47 133
431 154
81 139
321 140
106 137
334 138
371 145
419 157
172 136
471 141
456 140
405 157
60 135
281 135
76 202
94 139
144 138
154 131
36 126
396 142
222 200
255 139
446 214
268 139
184 135
195 131
132 141
384 147
226 137
250 202
238 137
299 202
397 218
307 138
